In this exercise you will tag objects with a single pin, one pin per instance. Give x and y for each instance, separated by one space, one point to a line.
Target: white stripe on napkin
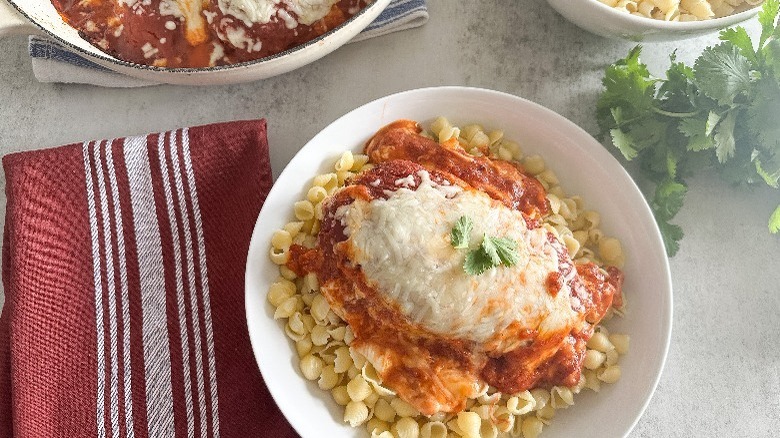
110 283
125 295
52 62
98 283
157 356
192 291
192 190
106 215
177 256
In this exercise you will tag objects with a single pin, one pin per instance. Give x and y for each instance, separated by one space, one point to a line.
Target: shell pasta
324 342
681 10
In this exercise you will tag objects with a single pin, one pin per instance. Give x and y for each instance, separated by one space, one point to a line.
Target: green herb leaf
505 249
774 221
624 143
477 262
722 73
767 16
696 131
712 121
763 115
461 232
739 37
654 161
648 132
771 54
629 92
739 171
490 250
668 200
671 163
672 234
693 127
494 251
769 171
725 144
678 92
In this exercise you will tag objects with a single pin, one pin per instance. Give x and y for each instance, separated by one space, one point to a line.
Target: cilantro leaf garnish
477 262
461 232
492 252
502 251
722 113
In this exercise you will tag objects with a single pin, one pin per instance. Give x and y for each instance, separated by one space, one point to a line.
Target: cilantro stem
674 114
656 110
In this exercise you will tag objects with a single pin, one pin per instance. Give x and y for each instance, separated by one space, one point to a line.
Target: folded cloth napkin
52 62
123 266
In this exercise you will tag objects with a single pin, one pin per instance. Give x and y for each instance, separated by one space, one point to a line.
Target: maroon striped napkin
123 267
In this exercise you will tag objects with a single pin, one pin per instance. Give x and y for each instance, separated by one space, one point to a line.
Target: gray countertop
722 376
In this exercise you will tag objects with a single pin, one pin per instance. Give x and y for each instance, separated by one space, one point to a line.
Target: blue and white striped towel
52 62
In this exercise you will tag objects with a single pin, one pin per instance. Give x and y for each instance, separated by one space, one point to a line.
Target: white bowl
598 18
583 166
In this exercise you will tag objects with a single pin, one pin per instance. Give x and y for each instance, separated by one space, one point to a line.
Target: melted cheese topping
262 11
403 246
169 8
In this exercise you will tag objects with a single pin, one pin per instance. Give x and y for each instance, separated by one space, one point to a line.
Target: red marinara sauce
192 33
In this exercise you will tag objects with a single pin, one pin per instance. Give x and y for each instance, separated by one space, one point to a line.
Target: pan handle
13 23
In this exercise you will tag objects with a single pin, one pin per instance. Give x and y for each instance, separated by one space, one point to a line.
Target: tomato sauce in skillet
193 33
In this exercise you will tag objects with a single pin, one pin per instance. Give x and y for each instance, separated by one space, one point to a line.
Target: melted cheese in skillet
262 11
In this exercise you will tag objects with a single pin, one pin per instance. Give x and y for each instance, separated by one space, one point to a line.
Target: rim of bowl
108 58
699 25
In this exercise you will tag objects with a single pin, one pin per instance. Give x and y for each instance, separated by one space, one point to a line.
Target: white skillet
39 17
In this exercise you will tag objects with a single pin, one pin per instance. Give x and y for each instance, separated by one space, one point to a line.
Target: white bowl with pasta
582 165
655 20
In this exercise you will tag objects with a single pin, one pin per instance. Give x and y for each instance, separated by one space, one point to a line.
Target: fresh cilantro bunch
723 112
